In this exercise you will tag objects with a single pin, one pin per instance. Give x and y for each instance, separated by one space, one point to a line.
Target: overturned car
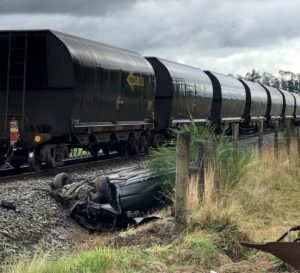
113 200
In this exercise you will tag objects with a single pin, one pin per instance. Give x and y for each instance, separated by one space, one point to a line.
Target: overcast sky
228 36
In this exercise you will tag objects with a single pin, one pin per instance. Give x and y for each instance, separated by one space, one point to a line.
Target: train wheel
18 158
51 163
105 149
93 147
143 145
156 141
132 146
35 164
123 149
15 164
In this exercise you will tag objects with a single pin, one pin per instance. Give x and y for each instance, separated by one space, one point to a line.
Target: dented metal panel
107 199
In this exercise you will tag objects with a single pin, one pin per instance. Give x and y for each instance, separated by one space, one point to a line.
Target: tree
287 80
253 76
296 86
266 81
290 85
284 85
276 83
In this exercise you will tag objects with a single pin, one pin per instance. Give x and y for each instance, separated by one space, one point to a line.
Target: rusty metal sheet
288 252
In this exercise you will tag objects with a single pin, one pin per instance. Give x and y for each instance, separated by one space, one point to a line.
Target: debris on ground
11 206
113 200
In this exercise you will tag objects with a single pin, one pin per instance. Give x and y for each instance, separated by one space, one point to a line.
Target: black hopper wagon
185 94
59 91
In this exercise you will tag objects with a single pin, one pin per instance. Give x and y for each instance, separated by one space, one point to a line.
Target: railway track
71 164
266 132
86 162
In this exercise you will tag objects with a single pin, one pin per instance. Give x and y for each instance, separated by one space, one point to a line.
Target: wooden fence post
276 144
235 133
201 165
182 180
260 133
287 127
298 141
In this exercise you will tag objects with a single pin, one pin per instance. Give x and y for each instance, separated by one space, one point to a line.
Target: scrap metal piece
10 205
288 252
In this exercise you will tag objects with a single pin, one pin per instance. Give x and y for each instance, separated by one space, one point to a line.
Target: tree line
286 80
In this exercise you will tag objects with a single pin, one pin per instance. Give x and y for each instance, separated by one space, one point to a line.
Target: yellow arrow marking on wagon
135 81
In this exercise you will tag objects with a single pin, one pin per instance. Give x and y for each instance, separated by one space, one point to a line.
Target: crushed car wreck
114 200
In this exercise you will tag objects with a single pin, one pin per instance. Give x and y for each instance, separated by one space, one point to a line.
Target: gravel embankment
41 222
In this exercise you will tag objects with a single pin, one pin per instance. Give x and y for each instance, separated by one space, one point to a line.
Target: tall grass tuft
163 163
230 163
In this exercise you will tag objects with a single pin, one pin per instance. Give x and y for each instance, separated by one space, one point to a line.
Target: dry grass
259 207
263 203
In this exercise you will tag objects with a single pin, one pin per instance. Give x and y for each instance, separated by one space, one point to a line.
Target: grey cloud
198 23
79 7
228 35
211 24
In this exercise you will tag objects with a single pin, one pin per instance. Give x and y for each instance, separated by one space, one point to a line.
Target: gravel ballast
36 221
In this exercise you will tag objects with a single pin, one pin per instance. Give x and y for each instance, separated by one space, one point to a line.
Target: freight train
58 91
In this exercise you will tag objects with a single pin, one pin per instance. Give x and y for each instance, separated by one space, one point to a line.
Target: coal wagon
58 90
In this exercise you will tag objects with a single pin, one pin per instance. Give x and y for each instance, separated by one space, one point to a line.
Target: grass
263 195
78 152
95 261
232 162
249 196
